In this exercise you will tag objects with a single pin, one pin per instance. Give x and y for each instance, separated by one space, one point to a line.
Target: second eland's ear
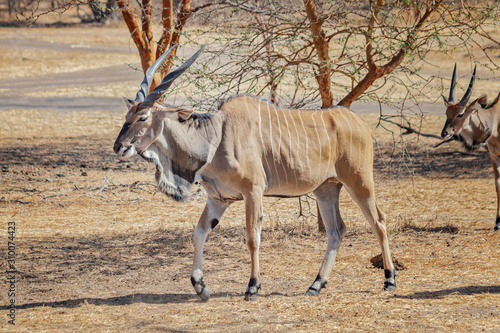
128 102
184 114
445 100
483 101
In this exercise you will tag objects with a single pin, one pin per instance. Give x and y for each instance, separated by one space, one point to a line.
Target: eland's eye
460 115
143 118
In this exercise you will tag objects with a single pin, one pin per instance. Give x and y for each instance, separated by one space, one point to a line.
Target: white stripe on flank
357 120
271 131
298 140
362 132
368 137
350 135
272 148
290 147
329 144
279 129
262 140
307 144
337 152
279 144
248 110
319 140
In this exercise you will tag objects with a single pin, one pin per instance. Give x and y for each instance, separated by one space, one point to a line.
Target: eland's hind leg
327 196
208 220
253 211
361 189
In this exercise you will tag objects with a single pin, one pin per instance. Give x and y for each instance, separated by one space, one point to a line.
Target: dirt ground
99 249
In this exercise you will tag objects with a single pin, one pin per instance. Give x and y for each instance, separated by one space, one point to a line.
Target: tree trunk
143 35
143 46
321 45
324 71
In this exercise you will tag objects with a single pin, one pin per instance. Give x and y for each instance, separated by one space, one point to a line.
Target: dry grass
98 249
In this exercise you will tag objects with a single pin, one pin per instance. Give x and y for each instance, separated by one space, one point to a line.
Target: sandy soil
98 249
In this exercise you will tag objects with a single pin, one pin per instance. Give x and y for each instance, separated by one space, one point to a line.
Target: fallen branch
410 130
445 141
104 181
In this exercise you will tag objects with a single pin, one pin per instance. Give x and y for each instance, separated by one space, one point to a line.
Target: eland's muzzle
117 147
124 151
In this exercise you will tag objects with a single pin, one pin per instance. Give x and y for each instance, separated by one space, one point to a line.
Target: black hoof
389 286
312 292
252 291
497 226
390 280
205 294
201 289
251 296
316 287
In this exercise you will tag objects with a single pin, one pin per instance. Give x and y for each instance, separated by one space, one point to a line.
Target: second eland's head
144 119
456 112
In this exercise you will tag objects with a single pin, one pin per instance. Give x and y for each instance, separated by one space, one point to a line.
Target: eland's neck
193 142
481 124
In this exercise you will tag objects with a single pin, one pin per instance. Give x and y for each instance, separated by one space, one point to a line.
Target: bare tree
349 48
300 52
173 23
344 46
139 20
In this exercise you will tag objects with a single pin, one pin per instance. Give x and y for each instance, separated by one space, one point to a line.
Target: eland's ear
184 114
445 100
483 101
128 102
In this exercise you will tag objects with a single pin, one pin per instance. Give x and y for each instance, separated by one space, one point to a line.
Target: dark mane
203 121
201 116
197 119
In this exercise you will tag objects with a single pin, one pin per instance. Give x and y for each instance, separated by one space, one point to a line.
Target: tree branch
410 130
375 72
135 30
321 45
167 15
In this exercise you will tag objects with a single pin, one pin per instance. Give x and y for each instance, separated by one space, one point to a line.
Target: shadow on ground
87 152
468 290
78 152
122 300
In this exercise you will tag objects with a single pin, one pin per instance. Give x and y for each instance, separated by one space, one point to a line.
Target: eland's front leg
253 210
495 161
209 219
